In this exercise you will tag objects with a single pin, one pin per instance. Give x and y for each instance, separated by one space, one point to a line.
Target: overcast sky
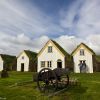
29 24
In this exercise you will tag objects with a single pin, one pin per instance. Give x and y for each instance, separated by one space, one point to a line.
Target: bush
4 74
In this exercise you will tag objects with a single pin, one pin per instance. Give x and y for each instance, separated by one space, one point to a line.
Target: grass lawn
88 90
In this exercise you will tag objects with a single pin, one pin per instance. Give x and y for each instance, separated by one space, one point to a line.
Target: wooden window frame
42 63
82 52
22 57
49 49
49 64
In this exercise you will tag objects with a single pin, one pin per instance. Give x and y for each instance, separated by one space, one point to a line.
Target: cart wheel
47 80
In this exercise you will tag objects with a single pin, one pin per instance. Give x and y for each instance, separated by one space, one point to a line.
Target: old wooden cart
48 79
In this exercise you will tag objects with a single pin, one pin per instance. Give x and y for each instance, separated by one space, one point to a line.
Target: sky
29 24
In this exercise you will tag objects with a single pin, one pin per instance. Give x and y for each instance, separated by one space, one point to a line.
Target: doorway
82 66
22 67
59 63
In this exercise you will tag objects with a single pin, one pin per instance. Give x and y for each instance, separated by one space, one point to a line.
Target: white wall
54 56
87 57
1 64
25 61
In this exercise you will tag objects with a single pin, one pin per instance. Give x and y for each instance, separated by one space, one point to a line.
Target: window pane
42 63
50 49
49 64
81 52
22 57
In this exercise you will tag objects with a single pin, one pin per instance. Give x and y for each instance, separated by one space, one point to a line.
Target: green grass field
88 90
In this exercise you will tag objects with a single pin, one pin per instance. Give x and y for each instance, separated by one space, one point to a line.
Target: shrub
4 74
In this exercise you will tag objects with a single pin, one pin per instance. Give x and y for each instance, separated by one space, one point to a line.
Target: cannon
55 79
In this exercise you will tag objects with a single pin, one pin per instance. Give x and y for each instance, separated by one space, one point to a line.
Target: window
49 64
42 63
82 52
49 49
81 61
22 57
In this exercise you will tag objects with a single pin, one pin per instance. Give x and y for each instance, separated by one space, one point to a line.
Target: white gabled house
1 63
52 56
27 61
83 54
6 62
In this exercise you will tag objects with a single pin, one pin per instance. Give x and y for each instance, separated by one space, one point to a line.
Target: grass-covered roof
98 58
85 46
30 54
60 48
69 57
8 60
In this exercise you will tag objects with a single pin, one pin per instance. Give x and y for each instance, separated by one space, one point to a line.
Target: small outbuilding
6 62
27 61
84 59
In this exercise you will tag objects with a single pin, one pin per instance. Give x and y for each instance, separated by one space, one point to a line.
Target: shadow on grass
77 89
72 93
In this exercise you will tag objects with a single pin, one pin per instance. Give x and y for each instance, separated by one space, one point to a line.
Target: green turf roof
8 59
85 46
30 54
69 57
60 48
98 58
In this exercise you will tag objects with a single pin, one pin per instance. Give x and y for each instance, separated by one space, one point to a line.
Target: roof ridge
7 55
30 54
29 51
85 46
60 48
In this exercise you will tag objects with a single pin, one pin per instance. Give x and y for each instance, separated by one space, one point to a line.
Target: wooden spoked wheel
47 80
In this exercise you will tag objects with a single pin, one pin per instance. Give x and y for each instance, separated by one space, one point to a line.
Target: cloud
82 17
94 42
68 15
23 17
15 44
69 43
25 26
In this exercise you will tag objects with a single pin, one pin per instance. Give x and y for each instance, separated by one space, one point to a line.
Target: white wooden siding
87 56
1 64
54 56
25 61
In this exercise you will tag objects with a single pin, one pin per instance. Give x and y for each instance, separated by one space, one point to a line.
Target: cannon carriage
48 79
